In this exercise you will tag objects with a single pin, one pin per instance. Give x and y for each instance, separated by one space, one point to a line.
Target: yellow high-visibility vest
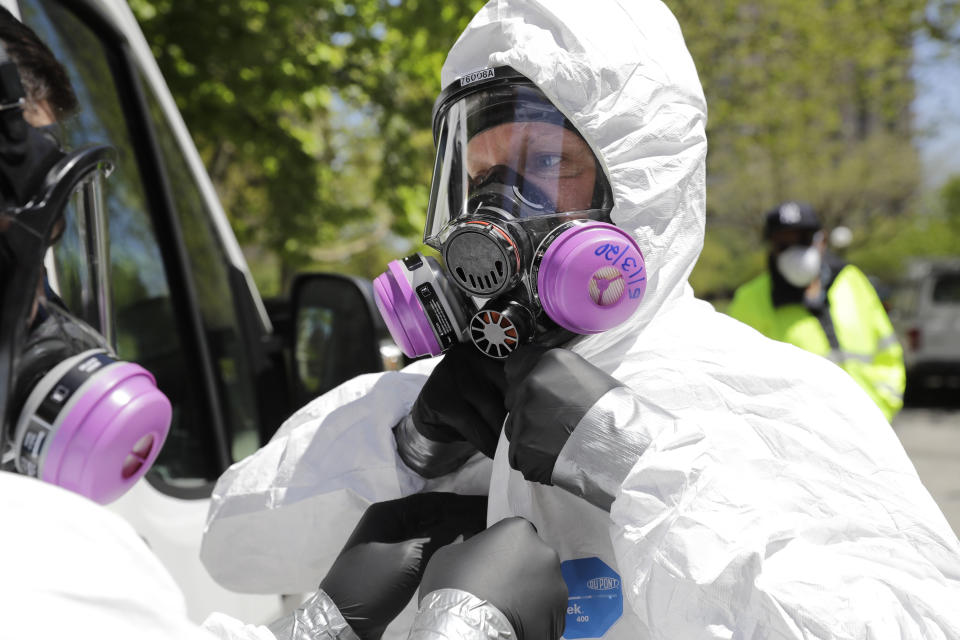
868 348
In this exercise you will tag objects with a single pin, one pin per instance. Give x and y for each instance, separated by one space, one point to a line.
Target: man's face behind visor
553 159
504 144
520 213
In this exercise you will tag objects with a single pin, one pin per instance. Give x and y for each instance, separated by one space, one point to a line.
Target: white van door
177 280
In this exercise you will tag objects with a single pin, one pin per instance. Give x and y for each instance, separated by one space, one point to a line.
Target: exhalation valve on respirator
585 276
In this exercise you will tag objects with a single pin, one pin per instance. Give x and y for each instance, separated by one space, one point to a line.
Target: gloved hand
463 400
509 567
380 566
549 391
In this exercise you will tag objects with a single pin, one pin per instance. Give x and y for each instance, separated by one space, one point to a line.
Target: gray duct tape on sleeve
317 619
602 449
452 613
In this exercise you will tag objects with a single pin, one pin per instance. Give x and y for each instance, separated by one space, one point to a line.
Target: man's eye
548 160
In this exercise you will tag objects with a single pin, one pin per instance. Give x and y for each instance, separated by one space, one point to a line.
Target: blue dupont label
596 597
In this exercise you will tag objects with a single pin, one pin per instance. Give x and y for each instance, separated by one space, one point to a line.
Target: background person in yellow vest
812 299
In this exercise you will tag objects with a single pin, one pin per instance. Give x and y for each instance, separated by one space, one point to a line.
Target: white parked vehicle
928 319
185 304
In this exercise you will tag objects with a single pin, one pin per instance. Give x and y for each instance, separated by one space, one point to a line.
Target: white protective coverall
773 501
72 569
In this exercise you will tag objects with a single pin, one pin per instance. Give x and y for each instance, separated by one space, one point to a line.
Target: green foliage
897 243
729 258
811 101
941 19
950 197
808 100
313 118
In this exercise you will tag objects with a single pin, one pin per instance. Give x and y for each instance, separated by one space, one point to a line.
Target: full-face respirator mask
73 413
519 211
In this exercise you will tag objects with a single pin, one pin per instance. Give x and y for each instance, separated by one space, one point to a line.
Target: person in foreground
814 300
672 456
79 426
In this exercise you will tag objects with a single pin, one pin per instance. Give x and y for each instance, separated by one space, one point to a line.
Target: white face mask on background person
799 265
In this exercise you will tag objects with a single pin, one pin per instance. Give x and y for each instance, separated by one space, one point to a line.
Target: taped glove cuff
317 619
452 613
429 458
602 449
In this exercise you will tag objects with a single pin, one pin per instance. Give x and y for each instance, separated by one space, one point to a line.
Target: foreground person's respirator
72 413
519 211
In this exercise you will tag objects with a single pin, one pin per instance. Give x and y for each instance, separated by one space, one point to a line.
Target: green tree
950 198
807 100
941 19
312 118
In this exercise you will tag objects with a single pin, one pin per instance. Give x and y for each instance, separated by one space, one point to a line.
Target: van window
147 326
947 289
209 269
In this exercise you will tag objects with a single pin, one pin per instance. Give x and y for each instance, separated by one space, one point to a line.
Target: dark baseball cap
791 215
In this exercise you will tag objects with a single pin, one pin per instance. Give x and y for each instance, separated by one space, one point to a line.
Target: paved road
931 437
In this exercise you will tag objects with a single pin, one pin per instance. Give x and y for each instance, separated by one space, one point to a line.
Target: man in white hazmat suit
86 426
675 461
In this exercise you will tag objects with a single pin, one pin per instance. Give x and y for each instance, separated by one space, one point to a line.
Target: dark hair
42 75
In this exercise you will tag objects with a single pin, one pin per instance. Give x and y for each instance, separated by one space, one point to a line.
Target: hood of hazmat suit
772 498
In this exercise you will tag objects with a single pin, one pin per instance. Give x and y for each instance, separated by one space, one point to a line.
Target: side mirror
337 333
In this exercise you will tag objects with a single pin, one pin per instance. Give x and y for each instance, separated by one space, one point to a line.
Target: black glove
549 391
463 400
380 566
509 566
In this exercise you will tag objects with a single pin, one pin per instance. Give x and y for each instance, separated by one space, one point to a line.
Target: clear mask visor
509 147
